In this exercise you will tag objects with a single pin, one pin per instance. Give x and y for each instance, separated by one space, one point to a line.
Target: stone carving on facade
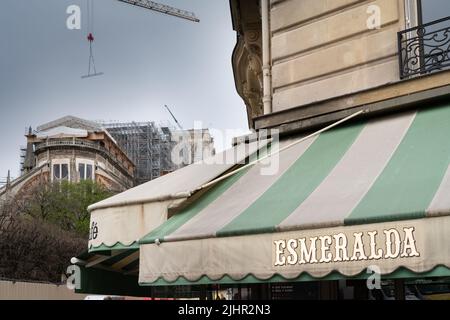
247 59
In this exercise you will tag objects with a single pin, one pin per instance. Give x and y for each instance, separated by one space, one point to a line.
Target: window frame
85 163
60 163
413 14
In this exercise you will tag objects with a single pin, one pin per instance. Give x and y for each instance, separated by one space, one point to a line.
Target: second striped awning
354 192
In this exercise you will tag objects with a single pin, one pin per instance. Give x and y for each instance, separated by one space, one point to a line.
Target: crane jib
151 5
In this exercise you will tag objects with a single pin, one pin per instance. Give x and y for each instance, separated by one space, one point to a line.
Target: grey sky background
149 59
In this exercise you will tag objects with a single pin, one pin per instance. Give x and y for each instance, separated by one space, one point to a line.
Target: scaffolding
23 155
147 144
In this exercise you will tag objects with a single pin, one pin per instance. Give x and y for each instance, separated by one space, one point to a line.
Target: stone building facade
304 63
300 65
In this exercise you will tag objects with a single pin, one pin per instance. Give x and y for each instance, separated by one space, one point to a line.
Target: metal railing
424 49
76 142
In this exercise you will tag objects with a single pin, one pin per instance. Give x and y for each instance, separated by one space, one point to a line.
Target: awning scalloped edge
116 246
288 278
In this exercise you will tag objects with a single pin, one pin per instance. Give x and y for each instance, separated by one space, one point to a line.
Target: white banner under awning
418 245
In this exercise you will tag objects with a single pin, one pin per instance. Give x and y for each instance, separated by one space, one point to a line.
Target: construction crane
147 4
175 119
162 8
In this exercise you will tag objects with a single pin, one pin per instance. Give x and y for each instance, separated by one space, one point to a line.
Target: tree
40 230
65 204
32 249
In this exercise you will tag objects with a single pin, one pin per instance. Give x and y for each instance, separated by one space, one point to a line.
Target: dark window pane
89 172
81 171
64 171
56 171
433 10
435 38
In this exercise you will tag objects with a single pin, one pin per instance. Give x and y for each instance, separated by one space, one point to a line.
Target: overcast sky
149 59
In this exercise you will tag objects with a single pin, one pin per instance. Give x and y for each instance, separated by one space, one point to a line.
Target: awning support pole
279 150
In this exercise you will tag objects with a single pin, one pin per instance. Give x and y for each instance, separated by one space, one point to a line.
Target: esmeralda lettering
337 248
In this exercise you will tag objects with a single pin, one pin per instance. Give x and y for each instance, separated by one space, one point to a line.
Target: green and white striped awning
373 193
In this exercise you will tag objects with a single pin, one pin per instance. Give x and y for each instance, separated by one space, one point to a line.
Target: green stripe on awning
409 182
199 204
192 210
117 246
295 185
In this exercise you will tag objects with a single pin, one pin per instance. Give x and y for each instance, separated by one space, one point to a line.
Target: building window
89 172
85 171
424 48
420 12
61 171
433 10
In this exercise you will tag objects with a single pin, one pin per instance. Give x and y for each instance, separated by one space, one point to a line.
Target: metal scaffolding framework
23 155
147 144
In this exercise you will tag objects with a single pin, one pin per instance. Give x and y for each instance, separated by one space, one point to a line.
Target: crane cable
90 7
90 38
90 12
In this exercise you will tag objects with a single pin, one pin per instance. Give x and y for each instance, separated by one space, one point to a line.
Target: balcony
63 143
424 49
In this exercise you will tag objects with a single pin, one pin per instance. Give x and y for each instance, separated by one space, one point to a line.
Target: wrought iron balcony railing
424 49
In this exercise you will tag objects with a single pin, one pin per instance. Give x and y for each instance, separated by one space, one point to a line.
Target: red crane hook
90 37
